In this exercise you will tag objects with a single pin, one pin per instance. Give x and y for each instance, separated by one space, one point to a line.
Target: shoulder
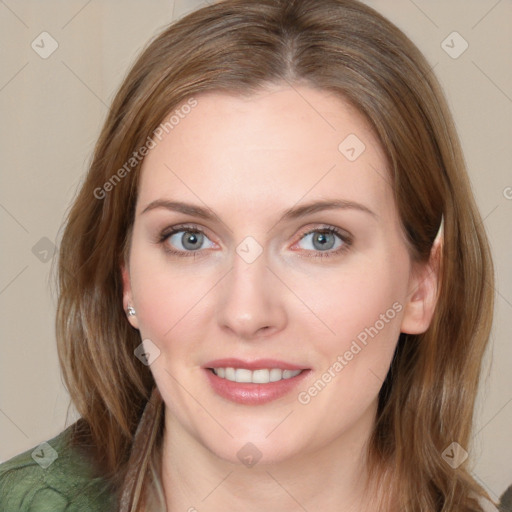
487 506
53 476
506 500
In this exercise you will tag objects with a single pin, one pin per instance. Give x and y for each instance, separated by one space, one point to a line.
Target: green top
53 477
56 477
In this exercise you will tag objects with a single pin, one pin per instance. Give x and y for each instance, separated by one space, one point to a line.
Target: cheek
337 305
348 301
167 303
363 308
165 291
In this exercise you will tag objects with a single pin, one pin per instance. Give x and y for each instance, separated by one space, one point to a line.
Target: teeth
263 376
260 376
276 374
242 375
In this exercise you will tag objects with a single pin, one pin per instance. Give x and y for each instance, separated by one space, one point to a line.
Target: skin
248 159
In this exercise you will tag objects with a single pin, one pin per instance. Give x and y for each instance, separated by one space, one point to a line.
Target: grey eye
322 241
188 239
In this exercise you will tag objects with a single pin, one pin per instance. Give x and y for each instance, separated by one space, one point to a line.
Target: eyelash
345 238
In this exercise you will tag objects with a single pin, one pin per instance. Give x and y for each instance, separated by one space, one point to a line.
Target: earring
130 310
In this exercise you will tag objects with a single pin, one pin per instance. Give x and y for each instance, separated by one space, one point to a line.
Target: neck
331 479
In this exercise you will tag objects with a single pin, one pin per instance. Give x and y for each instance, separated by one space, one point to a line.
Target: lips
257 364
253 382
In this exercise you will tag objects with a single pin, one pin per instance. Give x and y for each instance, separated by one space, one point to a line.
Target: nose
251 302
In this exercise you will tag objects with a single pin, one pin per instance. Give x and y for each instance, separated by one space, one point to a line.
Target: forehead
269 149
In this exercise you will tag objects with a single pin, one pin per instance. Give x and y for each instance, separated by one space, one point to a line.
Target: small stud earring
130 310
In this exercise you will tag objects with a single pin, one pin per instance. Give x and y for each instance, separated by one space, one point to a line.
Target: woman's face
253 279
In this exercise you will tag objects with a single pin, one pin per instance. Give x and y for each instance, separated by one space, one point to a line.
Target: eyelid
166 233
343 234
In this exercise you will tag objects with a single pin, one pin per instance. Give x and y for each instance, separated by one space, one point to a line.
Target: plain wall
51 113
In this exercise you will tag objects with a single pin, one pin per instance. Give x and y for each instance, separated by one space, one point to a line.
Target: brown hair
239 46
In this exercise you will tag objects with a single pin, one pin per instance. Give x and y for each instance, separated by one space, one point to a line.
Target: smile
260 376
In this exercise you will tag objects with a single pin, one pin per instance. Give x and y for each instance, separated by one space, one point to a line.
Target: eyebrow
290 214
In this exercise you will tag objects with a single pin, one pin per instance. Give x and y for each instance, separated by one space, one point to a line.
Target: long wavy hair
344 47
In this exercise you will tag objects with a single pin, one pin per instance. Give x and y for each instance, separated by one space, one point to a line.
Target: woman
322 347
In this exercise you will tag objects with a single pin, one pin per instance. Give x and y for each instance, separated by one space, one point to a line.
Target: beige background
51 113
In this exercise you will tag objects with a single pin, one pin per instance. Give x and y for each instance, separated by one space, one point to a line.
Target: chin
251 448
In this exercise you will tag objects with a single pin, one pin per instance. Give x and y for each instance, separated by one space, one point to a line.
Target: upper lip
255 364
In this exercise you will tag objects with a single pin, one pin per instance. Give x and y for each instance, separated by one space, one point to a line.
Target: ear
423 291
127 295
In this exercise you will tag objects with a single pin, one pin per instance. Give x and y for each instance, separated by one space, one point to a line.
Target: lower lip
253 394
